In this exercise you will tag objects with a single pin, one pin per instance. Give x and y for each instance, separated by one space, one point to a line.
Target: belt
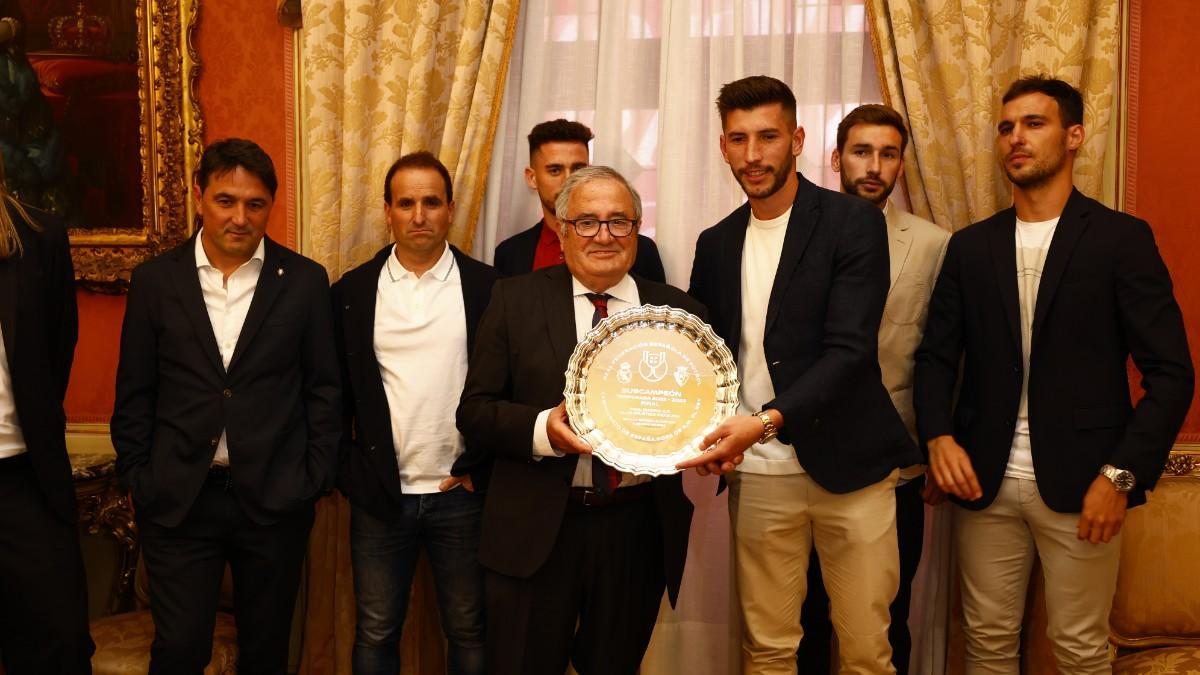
589 497
16 462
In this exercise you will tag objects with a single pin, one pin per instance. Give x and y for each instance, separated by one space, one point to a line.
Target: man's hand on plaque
562 437
726 446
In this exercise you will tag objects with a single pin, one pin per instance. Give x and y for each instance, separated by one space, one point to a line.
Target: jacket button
1016 368
228 393
215 442
371 448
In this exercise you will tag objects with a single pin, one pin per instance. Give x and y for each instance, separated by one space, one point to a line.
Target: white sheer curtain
644 75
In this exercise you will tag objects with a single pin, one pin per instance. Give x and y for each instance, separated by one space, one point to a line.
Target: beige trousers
996 548
775 522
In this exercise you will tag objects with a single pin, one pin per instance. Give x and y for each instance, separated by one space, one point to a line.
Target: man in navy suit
43 611
795 282
577 553
1043 304
405 325
227 418
557 149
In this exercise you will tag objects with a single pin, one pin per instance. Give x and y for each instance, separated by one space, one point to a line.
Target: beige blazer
916 247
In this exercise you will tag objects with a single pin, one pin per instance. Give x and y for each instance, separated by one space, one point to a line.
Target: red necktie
605 479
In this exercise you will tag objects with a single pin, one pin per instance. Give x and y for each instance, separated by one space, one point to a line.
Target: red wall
242 92
1163 150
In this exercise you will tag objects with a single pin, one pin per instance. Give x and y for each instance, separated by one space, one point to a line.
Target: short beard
850 187
781 176
1041 172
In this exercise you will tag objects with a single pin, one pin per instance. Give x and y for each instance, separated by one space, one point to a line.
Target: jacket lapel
899 245
805 213
729 276
1002 242
271 279
187 283
362 331
559 309
1071 226
474 300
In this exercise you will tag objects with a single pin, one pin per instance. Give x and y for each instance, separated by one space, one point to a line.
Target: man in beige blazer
870 158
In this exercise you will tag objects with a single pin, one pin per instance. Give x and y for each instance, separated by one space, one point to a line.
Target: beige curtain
378 80
946 63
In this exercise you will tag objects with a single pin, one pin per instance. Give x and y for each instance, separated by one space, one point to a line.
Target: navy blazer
368 473
1105 295
40 326
822 332
279 402
518 369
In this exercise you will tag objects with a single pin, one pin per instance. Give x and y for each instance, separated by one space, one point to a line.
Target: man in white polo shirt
405 325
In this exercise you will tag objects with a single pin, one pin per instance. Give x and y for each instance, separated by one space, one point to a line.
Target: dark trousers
604 574
43 592
814 653
185 566
384 555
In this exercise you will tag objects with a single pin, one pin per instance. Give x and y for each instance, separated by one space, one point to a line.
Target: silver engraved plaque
646 385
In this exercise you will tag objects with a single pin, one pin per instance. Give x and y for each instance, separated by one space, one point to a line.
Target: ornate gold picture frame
169 135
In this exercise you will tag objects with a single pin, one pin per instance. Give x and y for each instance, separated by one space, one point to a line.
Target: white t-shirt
1032 242
760 261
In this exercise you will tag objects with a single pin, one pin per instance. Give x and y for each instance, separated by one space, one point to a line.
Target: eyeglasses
590 227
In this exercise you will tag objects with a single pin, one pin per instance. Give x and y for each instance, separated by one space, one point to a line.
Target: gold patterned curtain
944 64
378 80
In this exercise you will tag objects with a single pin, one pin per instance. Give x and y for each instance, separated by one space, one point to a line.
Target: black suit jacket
40 326
822 329
279 403
1105 295
525 339
368 473
515 255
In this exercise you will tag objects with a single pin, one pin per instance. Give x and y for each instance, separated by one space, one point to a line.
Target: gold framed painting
103 127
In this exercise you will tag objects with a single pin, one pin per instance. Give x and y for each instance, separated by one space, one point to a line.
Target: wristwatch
1122 479
770 431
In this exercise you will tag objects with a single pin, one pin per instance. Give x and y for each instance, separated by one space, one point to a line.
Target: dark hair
421 159
754 91
874 114
1070 101
558 131
225 155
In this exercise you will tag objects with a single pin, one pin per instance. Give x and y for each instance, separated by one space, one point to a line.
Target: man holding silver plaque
577 554
795 281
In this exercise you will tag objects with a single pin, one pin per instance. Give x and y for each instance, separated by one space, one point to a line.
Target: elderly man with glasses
576 553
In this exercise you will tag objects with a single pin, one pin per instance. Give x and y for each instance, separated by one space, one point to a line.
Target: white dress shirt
760 260
624 295
227 302
12 441
421 346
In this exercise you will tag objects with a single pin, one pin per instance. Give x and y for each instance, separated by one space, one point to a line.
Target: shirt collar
440 270
624 290
202 260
